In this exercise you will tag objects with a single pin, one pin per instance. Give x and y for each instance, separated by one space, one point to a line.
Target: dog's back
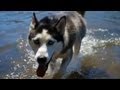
82 13
75 26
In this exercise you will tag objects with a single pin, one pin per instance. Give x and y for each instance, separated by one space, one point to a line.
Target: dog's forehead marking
43 36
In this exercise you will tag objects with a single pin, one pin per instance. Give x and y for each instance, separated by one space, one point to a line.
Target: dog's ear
34 21
60 25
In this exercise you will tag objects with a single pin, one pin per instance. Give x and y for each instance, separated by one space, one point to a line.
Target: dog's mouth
41 70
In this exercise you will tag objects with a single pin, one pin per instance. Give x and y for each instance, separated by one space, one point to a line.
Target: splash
91 47
90 43
25 67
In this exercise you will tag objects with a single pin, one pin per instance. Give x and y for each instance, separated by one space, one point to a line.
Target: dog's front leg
65 62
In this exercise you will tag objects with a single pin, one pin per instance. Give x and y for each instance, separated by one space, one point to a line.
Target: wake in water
94 54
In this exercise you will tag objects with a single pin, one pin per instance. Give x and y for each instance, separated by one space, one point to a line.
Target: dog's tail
82 13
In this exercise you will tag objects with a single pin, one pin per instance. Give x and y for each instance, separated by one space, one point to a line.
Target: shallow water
100 52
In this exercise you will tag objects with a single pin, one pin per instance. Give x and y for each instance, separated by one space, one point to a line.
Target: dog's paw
73 75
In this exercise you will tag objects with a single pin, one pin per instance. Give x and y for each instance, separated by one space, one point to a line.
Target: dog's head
46 39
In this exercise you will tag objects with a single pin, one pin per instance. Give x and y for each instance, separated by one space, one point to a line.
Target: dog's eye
50 42
37 42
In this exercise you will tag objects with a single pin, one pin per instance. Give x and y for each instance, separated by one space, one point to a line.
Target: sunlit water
100 50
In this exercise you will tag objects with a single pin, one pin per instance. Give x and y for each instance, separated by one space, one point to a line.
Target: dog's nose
41 60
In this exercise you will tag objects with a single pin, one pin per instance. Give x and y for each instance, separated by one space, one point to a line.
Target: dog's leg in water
65 62
73 70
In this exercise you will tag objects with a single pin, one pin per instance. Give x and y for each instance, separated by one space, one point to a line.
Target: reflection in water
100 50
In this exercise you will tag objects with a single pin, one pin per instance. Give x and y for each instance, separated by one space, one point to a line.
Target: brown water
100 52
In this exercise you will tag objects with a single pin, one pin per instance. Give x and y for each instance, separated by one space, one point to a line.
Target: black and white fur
58 35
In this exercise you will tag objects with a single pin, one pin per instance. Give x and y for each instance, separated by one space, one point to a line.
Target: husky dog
57 35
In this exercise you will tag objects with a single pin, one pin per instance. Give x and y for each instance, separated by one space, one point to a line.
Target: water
100 52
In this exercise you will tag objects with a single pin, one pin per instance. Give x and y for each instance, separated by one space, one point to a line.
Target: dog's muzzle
43 66
41 60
